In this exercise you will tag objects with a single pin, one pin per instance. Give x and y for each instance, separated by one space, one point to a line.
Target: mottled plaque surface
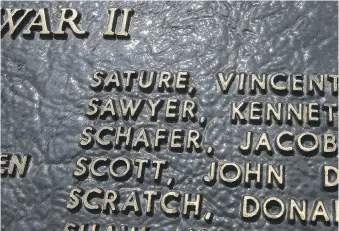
63 167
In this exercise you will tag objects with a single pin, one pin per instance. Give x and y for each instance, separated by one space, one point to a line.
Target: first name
27 21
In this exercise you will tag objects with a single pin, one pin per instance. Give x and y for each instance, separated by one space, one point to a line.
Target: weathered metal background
45 89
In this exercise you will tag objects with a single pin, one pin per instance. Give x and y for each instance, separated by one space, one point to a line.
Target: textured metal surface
45 89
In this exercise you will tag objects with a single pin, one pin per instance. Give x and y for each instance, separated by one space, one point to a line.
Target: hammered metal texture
45 89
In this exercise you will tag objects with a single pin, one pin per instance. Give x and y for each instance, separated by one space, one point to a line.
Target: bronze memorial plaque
169 116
